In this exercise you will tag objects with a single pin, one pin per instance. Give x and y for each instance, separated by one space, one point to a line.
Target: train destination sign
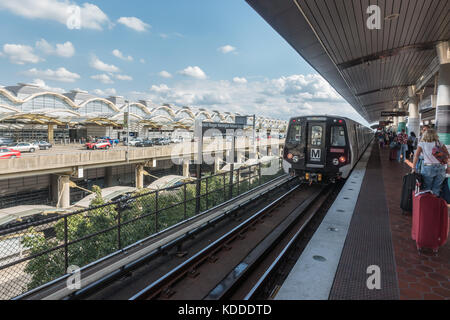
394 114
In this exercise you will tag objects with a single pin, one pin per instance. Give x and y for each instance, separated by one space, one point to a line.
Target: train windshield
316 136
338 137
295 134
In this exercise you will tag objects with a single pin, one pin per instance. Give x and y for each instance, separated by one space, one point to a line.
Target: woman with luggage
434 169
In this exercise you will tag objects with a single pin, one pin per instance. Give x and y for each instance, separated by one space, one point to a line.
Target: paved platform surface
381 234
419 276
368 244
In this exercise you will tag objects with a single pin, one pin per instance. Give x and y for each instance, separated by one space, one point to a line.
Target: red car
101 144
6 153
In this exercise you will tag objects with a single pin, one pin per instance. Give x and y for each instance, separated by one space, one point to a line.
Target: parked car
132 141
162 141
145 143
25 147
100 144
6 153
43 145
111 141
6 142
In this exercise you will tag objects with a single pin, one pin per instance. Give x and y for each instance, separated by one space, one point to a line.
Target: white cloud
227 49
65 50
142 61
240 80
20 54
41 83
194 72
103 78
165 74
60 74
120 55
106 92
159 89
276 98
123 77
134 23
96 63
90 16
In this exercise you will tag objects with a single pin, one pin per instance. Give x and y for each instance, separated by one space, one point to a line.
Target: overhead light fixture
392 17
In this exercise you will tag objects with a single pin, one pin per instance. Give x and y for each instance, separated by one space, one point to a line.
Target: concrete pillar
63 192
395 124
139 171
413 119
108 177
51 133
443 94
401 120
186 168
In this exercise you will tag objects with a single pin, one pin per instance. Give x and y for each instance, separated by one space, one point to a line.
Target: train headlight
296 159
342 159
336 162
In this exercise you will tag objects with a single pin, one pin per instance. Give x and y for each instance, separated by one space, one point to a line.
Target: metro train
324 149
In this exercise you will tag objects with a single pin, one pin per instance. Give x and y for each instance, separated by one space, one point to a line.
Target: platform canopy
370 68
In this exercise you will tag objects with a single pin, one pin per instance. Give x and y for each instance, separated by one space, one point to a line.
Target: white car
25 147
133 142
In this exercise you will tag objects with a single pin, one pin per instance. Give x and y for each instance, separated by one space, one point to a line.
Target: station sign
222 127
427 103
394 114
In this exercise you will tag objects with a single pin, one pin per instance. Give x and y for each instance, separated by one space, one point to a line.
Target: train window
295 134
316 135
338 137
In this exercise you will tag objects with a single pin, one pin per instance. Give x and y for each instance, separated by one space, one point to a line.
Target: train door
315 150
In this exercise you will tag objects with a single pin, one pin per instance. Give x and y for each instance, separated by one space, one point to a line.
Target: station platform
363 231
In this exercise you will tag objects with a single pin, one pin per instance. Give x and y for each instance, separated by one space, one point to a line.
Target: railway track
246 259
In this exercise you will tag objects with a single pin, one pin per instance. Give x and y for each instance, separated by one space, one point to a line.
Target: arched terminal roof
27 103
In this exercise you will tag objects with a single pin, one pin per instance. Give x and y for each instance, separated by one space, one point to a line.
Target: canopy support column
413 119
443 94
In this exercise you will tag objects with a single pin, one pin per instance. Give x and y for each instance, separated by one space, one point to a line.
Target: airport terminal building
29 113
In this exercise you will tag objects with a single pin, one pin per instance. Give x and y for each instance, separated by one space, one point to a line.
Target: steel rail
241 272
188 267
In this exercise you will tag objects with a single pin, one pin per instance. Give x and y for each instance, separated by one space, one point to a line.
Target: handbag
440 153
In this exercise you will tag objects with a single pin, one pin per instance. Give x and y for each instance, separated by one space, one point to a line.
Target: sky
218 55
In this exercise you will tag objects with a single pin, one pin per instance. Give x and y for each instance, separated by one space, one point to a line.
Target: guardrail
39 252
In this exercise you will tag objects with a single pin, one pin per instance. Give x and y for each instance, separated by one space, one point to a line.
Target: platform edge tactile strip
369 243
312 277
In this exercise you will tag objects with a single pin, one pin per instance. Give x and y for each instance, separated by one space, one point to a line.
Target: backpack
440 153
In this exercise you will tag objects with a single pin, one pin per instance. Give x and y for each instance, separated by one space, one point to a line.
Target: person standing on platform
403 141
419 165
412 145
433 171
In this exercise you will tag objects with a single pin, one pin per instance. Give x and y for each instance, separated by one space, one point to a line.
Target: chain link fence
39 252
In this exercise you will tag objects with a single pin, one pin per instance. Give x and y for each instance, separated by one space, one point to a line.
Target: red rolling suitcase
430 223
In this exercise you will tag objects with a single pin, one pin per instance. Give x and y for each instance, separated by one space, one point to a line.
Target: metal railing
36 253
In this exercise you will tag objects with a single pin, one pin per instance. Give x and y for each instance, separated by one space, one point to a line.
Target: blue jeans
402 151
433 177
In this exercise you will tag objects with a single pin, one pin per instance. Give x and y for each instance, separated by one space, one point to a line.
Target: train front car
318 149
